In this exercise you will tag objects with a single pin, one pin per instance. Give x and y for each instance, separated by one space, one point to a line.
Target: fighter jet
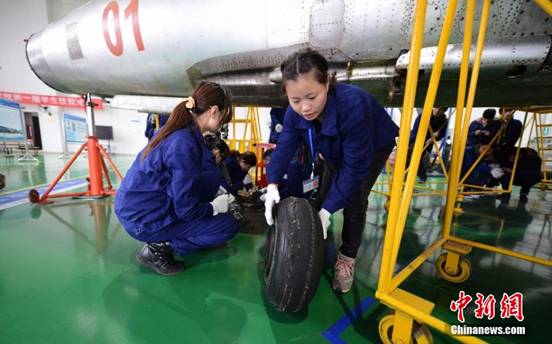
166 47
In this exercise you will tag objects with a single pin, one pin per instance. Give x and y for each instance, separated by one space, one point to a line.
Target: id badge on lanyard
311 184
314 181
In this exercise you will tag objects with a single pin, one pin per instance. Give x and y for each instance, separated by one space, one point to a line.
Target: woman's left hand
325 219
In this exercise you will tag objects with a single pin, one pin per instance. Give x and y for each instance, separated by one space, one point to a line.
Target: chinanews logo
511 307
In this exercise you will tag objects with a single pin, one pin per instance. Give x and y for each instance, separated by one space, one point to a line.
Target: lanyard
312 151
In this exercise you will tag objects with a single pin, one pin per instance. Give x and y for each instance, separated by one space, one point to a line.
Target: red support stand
96 166
261 179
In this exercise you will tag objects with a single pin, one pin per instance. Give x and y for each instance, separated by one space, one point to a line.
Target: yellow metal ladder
251 135
544 146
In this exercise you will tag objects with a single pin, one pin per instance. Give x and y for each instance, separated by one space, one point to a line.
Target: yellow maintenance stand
384 187
251 135
412 313
543 142
250 140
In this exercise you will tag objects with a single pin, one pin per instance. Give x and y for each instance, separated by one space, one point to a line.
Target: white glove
220 204
325 219
497 172
278 127
272 197
221 191
247 180
262 197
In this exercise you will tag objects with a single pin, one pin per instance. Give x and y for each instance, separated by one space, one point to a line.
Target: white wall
18 20
50 129
128 128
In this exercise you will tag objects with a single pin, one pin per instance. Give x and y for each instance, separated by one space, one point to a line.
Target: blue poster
11 127
75 129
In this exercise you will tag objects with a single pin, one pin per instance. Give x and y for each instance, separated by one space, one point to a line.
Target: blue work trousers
190 236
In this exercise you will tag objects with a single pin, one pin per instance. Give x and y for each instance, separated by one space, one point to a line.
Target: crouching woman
159 202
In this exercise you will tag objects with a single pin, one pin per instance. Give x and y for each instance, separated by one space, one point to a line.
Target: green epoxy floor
68 274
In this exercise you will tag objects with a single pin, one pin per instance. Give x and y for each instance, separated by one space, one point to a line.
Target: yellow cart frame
542 141
411 310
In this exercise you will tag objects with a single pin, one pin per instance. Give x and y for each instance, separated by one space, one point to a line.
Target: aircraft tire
294 255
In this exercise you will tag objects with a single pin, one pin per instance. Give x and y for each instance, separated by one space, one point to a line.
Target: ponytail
207 94
180 118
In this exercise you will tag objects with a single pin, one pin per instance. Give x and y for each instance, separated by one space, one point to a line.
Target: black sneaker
159 257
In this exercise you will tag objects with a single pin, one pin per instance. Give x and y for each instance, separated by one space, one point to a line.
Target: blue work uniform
291 183
481 174
212 177
511 133
528 170
493 127
438 124
236 174
151 125
354 127
276 117
159 199
473 139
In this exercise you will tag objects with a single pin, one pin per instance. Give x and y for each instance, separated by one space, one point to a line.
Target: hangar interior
68 271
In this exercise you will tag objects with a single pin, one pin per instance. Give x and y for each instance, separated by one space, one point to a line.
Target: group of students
232 166
495 140
174 199
176 195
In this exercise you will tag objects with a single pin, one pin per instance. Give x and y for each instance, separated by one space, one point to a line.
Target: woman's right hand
221 203
272 197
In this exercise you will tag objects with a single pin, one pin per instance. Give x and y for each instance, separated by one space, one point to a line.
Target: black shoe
159 257
504 197
523 198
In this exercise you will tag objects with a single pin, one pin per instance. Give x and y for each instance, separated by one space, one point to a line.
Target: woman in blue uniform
159 201
512 128
350 136
214 173
484 172
527 174
154 122
238 166
276 123
438 124
483 130
291 184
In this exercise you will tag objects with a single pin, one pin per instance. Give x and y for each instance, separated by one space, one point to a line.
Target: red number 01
131 10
